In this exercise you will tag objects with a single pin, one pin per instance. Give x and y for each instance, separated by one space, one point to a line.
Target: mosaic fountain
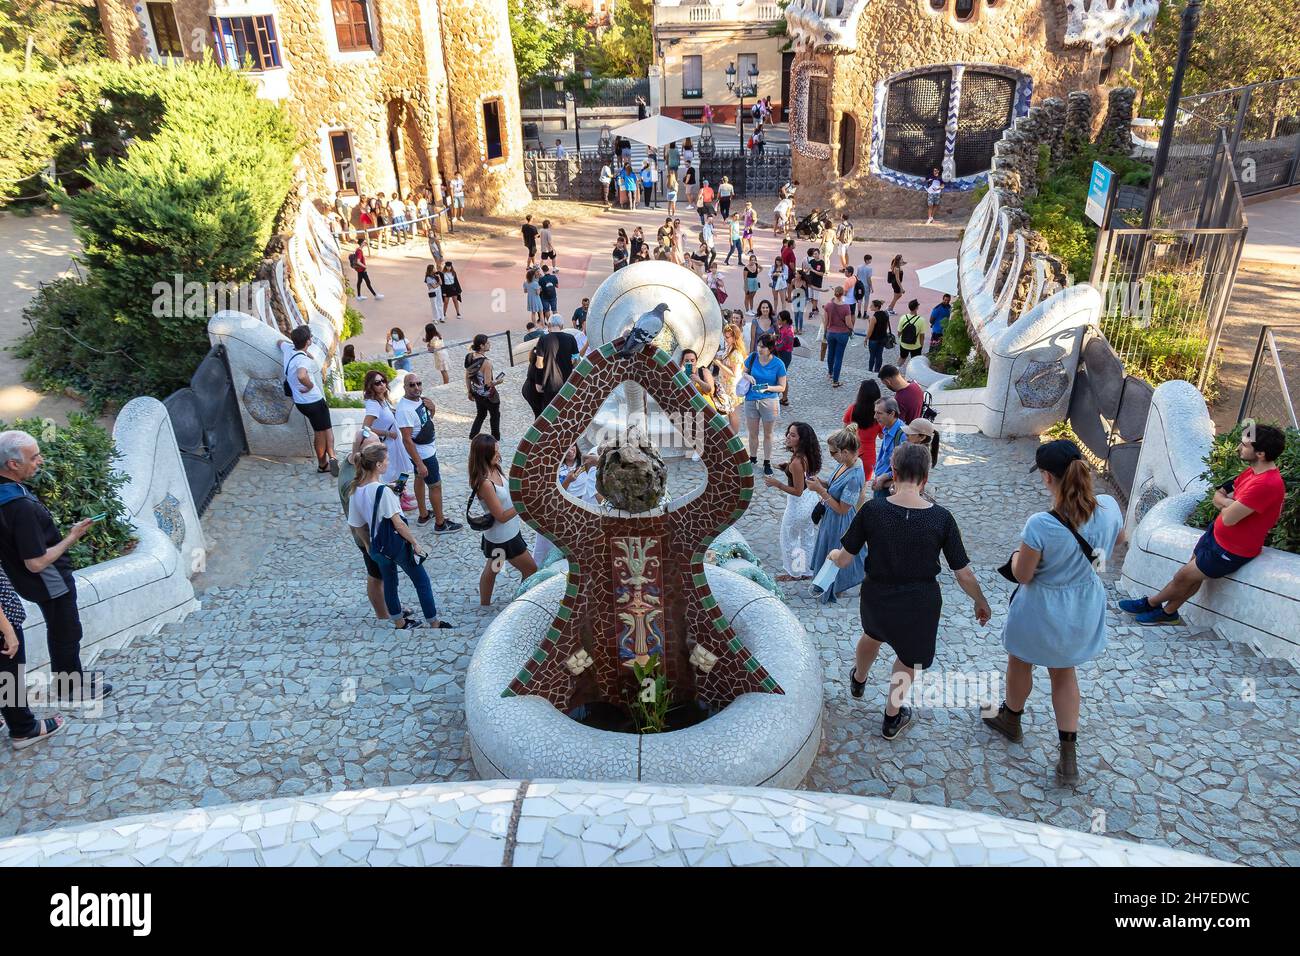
638 588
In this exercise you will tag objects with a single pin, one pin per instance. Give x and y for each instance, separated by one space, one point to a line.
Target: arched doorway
406 147
848 144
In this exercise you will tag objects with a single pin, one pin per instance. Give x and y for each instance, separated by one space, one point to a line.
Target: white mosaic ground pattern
282 684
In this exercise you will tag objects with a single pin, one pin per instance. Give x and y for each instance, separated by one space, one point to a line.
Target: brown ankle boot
1006 723
1067 768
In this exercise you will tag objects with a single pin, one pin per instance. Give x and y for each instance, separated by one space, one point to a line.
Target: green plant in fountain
650 703
958 355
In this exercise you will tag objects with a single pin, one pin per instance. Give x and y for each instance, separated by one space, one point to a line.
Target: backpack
909 335
352 259
288 392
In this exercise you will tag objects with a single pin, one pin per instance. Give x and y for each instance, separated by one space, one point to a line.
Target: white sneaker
379 295
359 298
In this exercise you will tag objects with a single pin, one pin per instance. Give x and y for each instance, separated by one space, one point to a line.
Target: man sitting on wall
1249 506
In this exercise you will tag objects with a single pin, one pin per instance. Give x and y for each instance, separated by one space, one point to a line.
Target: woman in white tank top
504 540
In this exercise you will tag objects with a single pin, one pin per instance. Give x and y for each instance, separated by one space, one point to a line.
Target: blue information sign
1098 193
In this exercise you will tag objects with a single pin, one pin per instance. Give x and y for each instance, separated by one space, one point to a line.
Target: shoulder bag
1089 553
481 522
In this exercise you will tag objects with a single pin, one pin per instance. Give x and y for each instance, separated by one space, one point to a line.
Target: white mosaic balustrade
571 823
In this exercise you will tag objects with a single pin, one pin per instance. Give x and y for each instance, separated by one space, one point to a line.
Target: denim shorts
434 475
1212 560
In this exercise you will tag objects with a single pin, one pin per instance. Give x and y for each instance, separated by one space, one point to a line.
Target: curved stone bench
572 823
758 740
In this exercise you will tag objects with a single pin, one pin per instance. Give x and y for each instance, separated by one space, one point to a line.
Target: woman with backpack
357 260
1057 617
503 540
911 334
481 387
375 517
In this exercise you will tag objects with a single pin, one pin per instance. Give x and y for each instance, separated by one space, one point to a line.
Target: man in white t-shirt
415 421
457 197
302 378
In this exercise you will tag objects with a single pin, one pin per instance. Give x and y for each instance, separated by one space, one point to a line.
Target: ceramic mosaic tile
636 583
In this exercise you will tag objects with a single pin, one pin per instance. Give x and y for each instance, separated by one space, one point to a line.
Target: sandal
442 625
45 729
408 624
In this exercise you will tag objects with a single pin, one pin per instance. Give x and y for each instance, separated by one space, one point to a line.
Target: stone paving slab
1186 741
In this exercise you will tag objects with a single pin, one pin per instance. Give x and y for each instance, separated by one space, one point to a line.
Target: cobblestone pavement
281 684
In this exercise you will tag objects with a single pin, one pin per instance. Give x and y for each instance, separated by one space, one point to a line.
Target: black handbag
478 522
818 512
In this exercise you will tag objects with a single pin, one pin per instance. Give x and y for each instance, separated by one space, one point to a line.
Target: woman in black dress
901 601
896 281
451 290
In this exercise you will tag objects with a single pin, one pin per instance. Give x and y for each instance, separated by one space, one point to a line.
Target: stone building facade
883 91
389 95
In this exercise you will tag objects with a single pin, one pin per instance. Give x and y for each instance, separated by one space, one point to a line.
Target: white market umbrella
940 277
658 131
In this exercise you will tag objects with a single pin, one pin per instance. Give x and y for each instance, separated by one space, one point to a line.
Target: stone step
299 697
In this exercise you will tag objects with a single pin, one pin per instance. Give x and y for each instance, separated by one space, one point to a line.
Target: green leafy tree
546 35
1237 42
627 47
63 32
195 195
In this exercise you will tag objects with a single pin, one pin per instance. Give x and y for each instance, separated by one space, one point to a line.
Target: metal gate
753 174
1108 411
209 432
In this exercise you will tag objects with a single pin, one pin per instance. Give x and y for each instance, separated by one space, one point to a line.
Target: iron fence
613 92
1273 387
1165 296
209 432
752 173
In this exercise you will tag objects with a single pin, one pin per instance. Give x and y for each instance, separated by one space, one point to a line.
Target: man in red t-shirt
1249 506
909 395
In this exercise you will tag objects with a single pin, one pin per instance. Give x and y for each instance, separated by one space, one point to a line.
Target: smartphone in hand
99 517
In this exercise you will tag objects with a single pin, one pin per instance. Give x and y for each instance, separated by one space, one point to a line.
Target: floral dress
798 533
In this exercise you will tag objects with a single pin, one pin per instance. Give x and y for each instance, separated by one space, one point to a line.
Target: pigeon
644 331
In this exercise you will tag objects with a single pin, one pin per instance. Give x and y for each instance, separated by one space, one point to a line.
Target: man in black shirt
549 365
34 556
530 239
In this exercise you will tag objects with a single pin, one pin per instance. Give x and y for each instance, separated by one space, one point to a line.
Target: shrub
1223 464
353 324
195 195
354 373
78 481
958 355
343 401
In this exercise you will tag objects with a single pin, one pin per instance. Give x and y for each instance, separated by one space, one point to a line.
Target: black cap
1055 456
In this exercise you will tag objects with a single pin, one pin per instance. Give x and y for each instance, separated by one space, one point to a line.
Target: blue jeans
836 343
798 322
876 354
415 571
735 247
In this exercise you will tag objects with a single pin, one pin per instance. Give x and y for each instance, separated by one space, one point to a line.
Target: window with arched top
848 144
945 117
916 114
987 104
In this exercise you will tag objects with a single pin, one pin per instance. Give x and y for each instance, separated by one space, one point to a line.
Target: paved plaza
282 684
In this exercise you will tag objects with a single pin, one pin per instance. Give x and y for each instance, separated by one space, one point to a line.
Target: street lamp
559 79
742 90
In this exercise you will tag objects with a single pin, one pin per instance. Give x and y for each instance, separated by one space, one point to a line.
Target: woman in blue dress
840 496
534 291
1057 617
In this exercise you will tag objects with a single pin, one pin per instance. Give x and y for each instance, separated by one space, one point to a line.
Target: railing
209 431
423 361
1273 386
1166 288
1261 123
747 11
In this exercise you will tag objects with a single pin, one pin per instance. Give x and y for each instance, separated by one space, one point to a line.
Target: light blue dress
845 488
534 291
1059 618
